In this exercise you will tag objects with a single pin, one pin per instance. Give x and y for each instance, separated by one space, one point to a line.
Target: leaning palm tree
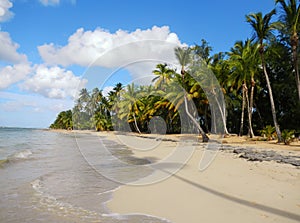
291 25
263 30
184 58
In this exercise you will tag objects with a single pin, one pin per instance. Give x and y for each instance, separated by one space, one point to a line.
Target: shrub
287 136
268 132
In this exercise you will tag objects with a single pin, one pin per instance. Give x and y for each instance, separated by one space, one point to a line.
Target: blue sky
50 48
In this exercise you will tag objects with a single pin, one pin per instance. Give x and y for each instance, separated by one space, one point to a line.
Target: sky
50 49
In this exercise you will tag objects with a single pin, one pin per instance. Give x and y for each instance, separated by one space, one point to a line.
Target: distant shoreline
232 140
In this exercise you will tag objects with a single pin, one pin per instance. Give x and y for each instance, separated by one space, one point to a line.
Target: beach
116 177
230 189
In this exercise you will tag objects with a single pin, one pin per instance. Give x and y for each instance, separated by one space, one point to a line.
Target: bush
287 136
268 132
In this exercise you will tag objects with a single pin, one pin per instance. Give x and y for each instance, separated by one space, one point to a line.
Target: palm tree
84 97
290 27
164 75
129 106
63 121
203 51
94 100
184 58
118 87
263 30
243 64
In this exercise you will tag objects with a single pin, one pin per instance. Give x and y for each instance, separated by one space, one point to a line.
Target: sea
45 177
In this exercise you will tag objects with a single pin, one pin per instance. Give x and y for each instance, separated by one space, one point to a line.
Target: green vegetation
259 78
268 132
288 136
63 121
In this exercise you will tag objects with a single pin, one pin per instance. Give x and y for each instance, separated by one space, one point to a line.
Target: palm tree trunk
223 114
136 125
206 117
251 102
249 113
214 123
271 98
204 136
243 111
295 60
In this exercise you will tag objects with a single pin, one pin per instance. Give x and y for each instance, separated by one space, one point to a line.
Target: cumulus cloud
5 14
13 74
119 48
53 82
9 49
16 102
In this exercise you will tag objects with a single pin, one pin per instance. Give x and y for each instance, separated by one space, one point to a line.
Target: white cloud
116 49
9 48
5 14
17 102
53 82
13 74
54 2
30 110
106 90
49 2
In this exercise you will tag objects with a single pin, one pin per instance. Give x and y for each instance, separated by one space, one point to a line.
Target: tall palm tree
290 27
263 28
94 100
203 51
243 63
184 58
129 106
220 69
118 87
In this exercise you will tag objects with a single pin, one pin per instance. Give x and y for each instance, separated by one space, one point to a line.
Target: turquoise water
45 178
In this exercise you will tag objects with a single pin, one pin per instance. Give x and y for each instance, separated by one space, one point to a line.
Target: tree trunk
251 100
222 112
204 136
271 98
136 125
214 124
206 117
243 111
294 42
249 113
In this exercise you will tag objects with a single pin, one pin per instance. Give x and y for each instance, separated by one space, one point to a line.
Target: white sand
229 190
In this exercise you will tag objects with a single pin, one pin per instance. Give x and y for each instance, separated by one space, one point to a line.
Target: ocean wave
20 155
3 162
52 204
15 157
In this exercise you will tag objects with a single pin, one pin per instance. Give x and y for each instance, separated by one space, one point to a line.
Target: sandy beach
231 189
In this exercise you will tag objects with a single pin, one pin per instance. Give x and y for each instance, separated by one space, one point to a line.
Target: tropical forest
258 80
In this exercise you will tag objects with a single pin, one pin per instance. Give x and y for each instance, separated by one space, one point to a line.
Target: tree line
259 78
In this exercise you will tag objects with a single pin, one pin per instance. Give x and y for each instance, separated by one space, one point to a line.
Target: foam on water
24 154
48 179
60 208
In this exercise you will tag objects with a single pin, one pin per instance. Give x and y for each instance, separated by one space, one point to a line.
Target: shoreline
230 189
232 140
256 191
